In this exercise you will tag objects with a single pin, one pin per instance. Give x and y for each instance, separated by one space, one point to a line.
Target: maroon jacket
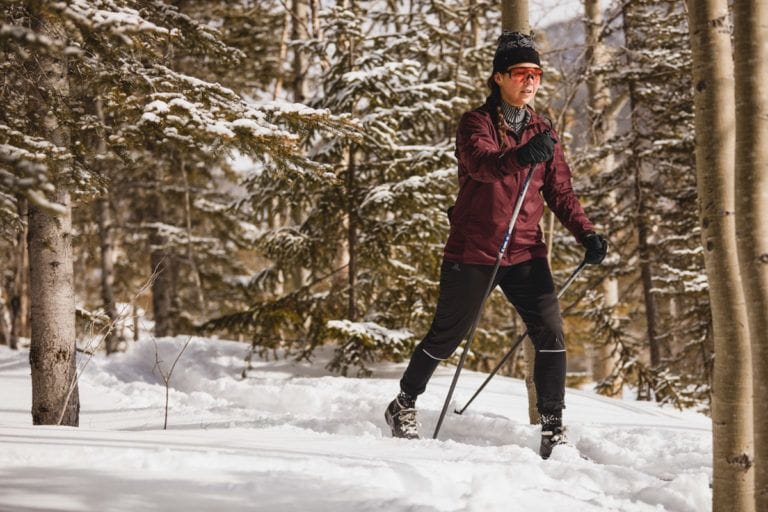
489 183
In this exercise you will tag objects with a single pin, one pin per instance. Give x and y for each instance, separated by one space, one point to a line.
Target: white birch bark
751 60
602 127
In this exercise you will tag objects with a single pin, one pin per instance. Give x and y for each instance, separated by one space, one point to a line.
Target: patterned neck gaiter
516 117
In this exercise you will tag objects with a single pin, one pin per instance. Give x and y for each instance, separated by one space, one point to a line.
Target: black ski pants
529 287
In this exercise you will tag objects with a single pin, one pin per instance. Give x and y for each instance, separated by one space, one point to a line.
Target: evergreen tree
375 223
163 135
654 187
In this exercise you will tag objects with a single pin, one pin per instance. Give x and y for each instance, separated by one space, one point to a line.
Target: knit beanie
514 48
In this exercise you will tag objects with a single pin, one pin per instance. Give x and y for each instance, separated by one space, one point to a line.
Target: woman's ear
497 78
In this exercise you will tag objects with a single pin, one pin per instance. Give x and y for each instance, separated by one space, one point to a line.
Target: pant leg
461 293
529 287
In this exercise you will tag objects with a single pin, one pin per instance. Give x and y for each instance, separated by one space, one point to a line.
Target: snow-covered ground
291 437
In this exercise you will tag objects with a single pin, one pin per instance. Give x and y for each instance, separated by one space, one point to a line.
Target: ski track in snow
291 437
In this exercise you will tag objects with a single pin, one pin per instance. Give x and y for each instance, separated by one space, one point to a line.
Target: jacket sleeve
478 152
560 197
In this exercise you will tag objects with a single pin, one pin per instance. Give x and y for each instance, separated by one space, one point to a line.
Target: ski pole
488 290
519 341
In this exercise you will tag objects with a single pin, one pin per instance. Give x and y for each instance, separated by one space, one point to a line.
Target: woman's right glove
540 148
596 246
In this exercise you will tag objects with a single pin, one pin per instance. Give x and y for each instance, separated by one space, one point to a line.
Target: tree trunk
135 316
474 24
193 266
300 32
315 7
107 246
644 249
108 272
162 283
352 235
19 299
282 54
646 274
602 122
606 357
52 355
751 58
514 16
714 111
5 315
52 351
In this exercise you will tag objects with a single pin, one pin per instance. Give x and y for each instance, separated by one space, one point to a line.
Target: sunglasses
522 74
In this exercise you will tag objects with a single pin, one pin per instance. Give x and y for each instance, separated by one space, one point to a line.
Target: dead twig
167 376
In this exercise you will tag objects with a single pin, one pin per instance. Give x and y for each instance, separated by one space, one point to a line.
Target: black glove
596 246
540 148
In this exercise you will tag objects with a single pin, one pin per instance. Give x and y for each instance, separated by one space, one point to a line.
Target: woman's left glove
540 148
596 246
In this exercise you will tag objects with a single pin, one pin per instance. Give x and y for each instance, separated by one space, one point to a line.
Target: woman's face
519 83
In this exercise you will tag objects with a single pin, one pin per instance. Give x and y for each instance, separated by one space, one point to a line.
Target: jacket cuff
584 235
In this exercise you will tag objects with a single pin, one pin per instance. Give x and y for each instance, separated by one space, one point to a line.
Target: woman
496 146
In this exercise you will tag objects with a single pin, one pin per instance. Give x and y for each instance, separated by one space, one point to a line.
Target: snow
293 437
119 20
371 330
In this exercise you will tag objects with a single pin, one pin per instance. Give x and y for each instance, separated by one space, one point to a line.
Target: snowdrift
292 437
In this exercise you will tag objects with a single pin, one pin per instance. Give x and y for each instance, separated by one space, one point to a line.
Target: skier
496 145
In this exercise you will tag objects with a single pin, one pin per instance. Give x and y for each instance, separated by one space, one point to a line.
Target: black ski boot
552 434
401 417
550 439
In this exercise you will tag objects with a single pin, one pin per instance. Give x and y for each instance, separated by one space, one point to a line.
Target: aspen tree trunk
52 354
351 185
751 61
514 18
732 487
602 127
299 32
474 24
315 8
